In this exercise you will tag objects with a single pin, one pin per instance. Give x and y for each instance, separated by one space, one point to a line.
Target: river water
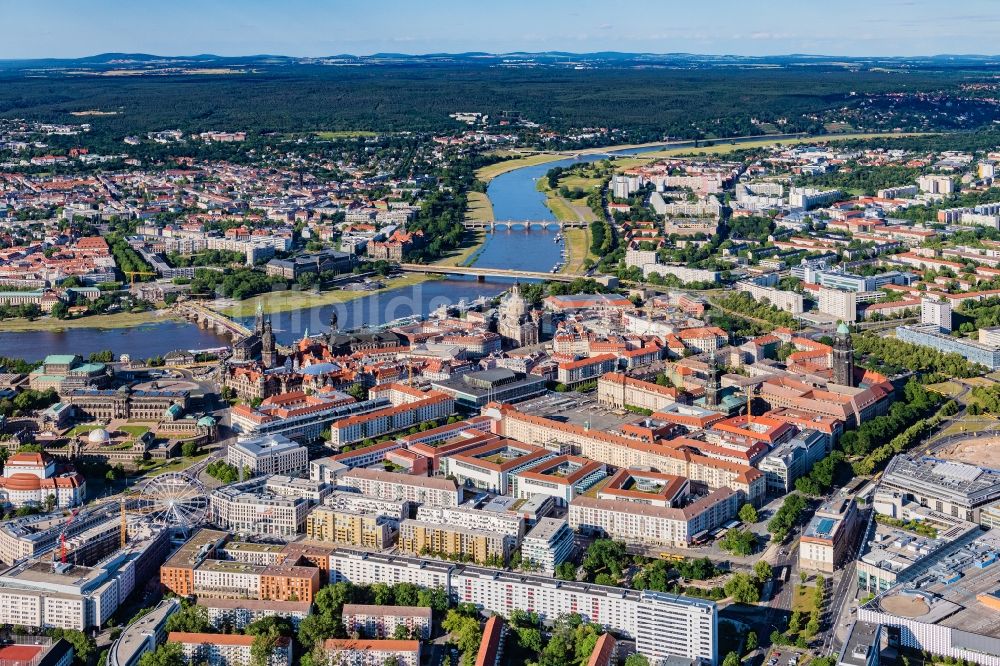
514 197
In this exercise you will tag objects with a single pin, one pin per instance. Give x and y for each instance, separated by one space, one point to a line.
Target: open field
480 209
345 134
979 451
971 424
559 206
117 320
488 173
584 183
725 148
578 244
283 301
950 389
471 244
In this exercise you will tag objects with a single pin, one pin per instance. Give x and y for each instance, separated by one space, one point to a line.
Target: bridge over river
206 318
483 273
526 225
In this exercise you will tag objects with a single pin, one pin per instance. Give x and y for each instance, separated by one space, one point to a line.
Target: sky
71 28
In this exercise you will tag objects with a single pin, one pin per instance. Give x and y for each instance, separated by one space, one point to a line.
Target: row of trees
890 356
917 402
904 440
743 303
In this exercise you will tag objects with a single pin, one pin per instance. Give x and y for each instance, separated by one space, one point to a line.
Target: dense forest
650 103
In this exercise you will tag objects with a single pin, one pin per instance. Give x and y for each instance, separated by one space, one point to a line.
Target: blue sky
71 28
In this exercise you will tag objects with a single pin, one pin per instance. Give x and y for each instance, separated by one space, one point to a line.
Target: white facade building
272 454
933 311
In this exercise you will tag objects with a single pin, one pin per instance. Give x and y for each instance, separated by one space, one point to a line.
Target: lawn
134 430
804 601
480 208
173 465
971 424
488 173
578 244
76 431
117 320
949 389
283 301
471 243
559 206
584 183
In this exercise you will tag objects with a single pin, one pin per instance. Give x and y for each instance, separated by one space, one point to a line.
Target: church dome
842 329
98 436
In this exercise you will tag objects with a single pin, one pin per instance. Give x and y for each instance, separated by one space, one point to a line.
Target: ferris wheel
173 499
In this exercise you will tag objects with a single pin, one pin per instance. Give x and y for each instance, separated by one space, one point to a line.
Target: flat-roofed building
289 582
829 536
863 646
271 454
177 573
792 459
254 508
506 523
953 488
663 625
403 487
562 478
492 466
238 613
473 390
384 621
549 543
953 611
635 522
350 527
617 390
417 537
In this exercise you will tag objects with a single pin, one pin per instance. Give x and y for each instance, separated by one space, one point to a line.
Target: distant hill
601 59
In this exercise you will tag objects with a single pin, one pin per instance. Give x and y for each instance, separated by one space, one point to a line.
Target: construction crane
62 538
123 536
131 275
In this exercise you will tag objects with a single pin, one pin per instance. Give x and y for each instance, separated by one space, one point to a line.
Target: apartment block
384 621
417 537
369 530
403 487
549 543
227 649
663 625
363 652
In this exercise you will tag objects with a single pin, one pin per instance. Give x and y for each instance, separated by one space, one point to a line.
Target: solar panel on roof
957 471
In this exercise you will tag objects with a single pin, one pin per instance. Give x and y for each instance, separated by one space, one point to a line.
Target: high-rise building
933 311
843 356
838 303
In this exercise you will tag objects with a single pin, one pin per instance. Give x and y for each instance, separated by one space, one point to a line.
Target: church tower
712 385
843 356
268 346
